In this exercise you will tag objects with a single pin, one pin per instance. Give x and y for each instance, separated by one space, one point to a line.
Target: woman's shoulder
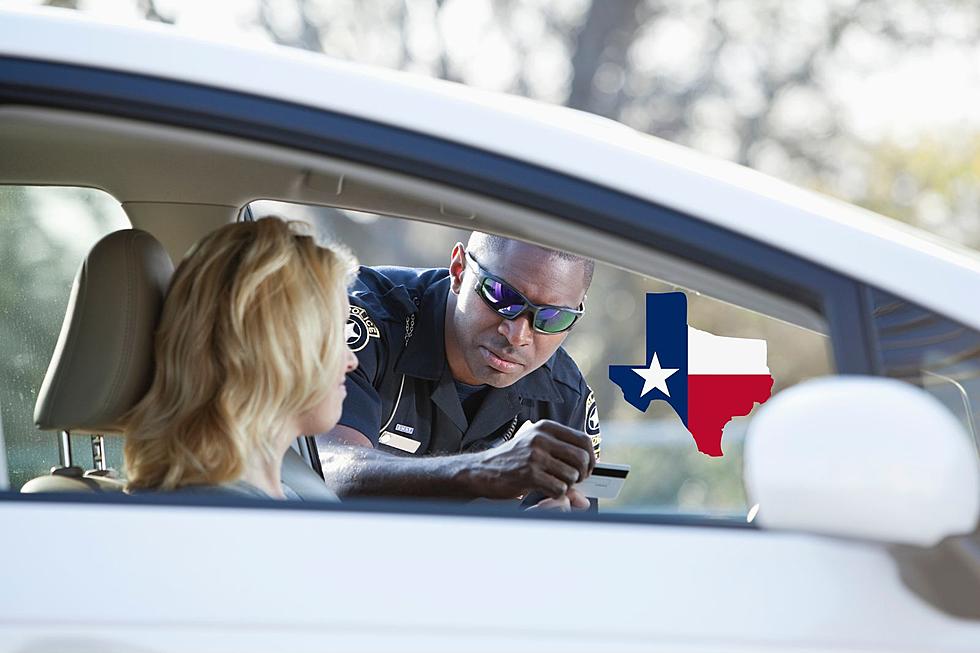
236 488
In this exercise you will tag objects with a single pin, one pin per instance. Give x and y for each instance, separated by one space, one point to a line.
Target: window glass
46 234
931 351
668 473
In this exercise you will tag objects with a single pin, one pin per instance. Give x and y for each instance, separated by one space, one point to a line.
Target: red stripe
714 399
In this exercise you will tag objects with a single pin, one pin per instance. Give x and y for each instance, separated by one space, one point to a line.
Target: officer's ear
457 267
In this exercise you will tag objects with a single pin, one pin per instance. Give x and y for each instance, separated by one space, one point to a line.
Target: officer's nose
517 331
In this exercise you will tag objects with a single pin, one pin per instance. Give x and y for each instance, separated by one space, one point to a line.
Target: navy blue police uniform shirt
402 395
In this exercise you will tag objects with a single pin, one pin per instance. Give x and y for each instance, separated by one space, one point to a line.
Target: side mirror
862 457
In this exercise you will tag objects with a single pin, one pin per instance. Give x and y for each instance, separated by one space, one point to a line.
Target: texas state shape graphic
706 379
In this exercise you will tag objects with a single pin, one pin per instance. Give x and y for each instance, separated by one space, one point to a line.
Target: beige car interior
176 185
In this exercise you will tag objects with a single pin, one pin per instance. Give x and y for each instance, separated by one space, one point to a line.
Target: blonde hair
252 333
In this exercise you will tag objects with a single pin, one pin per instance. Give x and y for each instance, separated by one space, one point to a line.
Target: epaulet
379 292
565 371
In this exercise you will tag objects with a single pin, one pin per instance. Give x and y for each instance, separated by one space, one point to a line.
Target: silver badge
359 329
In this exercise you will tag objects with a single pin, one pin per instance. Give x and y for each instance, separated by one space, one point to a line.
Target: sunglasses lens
554 320
509 303
502 298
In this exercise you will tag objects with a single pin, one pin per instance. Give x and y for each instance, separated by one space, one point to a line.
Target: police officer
452 364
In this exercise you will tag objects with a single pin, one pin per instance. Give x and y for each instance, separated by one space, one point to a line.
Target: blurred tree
599 56
933 182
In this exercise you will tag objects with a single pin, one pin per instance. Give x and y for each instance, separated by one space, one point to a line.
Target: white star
351 332
654 377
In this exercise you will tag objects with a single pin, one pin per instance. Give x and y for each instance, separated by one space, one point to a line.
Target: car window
676 468
929 350
47 231
668 472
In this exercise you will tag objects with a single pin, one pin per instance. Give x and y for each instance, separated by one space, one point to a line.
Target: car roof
885 253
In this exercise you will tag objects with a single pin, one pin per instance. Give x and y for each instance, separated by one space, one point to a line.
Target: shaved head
488 248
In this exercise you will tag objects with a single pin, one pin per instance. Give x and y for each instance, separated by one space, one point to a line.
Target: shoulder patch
359 329
591 415
592 423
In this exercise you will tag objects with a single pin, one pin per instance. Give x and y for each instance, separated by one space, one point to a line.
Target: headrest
103 362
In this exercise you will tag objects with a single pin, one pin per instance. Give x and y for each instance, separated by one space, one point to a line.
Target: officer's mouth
499 363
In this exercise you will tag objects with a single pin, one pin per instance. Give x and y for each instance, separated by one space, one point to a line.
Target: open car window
668 473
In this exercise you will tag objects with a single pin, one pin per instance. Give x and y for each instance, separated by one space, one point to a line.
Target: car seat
103 362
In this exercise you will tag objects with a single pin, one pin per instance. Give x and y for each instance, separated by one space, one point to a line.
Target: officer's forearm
361 471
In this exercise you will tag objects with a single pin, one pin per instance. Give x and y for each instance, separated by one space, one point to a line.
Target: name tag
399 442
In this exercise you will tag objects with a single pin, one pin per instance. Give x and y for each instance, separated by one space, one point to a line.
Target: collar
540 384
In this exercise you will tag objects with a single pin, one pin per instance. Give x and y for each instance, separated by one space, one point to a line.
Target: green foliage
932 183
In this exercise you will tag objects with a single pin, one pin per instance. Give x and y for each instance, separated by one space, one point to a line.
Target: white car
865 482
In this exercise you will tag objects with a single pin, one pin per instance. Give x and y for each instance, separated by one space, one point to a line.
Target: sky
938 91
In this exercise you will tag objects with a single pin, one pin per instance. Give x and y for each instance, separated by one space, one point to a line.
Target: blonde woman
250 354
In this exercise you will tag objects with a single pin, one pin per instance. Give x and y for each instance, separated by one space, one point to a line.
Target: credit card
606 481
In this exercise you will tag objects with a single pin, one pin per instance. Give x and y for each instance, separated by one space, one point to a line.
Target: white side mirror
862 457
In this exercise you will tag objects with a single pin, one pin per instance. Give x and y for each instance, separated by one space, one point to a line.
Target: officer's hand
547 457
577 500
571 500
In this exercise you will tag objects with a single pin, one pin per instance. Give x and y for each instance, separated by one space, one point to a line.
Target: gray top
237 488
